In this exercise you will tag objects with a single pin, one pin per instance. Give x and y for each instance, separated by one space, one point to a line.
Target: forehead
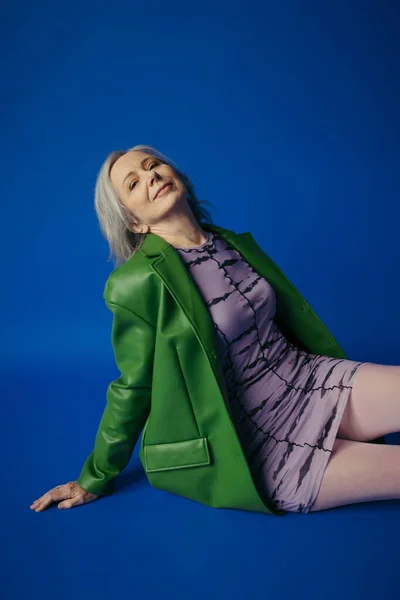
127 162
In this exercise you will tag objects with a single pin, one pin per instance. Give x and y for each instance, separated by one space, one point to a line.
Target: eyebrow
141 164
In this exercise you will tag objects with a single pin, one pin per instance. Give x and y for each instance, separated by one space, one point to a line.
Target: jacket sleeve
128 401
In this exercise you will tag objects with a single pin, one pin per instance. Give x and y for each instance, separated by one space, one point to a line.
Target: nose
154 176
154 181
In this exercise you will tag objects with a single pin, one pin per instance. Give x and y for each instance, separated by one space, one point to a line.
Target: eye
131 186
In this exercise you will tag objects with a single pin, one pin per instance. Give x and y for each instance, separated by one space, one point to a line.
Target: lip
162 188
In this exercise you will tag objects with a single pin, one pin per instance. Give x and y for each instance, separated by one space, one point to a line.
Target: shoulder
135 286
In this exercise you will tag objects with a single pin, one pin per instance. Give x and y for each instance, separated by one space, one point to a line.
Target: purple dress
286 404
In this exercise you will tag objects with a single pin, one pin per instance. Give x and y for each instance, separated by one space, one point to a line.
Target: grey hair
115 218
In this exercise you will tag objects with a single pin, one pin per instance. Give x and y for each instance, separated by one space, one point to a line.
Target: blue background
285 115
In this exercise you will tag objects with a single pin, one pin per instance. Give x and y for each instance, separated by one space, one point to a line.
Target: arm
128 401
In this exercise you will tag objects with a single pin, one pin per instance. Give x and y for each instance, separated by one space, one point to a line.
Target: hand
72 494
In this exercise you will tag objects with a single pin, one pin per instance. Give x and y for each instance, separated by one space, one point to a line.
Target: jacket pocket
176 455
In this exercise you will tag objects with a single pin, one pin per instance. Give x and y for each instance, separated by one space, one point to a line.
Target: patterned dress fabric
286 404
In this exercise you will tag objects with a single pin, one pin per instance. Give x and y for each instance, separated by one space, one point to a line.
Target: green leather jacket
171 384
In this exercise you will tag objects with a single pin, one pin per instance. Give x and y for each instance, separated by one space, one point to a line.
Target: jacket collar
164 259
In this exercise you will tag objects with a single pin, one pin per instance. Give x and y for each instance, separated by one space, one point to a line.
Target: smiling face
137 178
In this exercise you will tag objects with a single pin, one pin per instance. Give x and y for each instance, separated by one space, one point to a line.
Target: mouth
165 188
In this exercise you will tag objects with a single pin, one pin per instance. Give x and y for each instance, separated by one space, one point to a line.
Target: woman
244 397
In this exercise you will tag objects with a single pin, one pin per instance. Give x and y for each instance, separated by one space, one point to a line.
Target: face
137 178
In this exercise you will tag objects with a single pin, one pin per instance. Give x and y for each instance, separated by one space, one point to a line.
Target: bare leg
359 472
373 408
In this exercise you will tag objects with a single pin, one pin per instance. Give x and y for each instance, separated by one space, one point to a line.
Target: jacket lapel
167 263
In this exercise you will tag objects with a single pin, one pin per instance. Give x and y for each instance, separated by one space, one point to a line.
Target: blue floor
285 116
142 540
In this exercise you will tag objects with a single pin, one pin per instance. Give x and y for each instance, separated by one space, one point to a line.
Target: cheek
178 183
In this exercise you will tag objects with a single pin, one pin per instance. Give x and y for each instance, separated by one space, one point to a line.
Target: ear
136 228
133 225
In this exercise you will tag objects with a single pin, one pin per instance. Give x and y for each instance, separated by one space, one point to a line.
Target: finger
71 502
36 507
58 493
42 504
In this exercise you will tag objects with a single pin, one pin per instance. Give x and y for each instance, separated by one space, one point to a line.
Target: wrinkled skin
71 494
